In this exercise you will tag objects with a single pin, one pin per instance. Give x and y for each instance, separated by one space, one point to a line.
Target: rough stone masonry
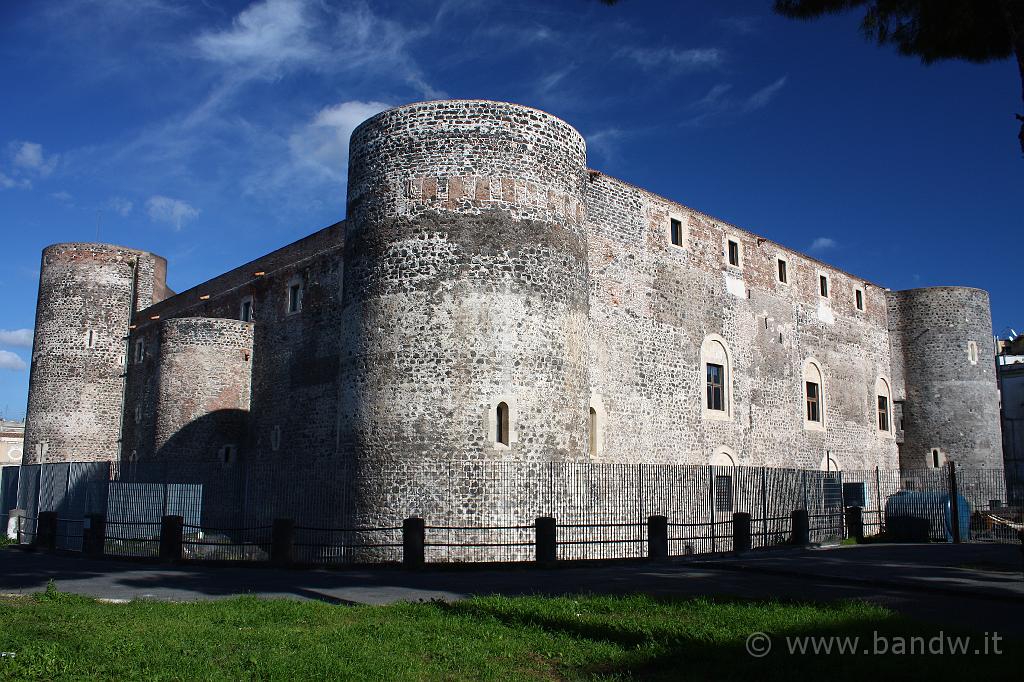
490 298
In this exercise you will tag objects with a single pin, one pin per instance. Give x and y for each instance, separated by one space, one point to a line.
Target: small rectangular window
859 296
723 493
140 351
676 227
716 397
245 313
813 402
294 298
823 285
783 274
734 253
91 341
883 413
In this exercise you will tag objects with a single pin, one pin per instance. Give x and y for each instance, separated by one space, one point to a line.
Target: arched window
883 406
716 373
501 422
814 396
723 463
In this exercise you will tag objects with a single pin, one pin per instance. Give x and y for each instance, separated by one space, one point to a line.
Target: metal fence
481 511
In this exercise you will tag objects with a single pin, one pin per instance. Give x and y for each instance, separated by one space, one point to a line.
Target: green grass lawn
60 636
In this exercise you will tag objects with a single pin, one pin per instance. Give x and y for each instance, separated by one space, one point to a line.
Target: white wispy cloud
7 182
722 102
120 206
174 212
18 338
605 143
13 361
29 158
822 244
62 196
322 143
695 59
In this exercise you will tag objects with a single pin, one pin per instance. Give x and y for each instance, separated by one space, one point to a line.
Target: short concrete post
171 538
855 523
94 534
740 532
46 530
547 540
657 537
282 542
954 502
414 540
801 527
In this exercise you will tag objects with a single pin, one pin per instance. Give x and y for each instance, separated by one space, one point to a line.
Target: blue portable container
931 506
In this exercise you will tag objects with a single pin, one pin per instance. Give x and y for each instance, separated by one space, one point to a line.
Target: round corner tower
465 287
951 411
88 294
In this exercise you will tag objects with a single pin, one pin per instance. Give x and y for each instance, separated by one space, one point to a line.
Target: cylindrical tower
87 296
951 408
203 389
465 290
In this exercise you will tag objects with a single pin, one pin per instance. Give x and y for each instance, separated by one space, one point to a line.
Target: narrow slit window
935 459
294 298
859 295
783 274
140 351
245 311
813 402
823 285
501 422
91 341
593 432
883 413
734 253
676 229
715 387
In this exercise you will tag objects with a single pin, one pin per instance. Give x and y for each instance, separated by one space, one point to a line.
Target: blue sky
213 132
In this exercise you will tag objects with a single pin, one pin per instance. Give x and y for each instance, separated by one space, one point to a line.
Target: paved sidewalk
941 584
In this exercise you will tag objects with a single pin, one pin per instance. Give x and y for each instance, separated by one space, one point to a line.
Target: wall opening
814 396
593 432
501 421
676 231
783 271
716 368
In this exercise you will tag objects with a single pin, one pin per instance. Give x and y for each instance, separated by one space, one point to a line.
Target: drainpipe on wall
127 356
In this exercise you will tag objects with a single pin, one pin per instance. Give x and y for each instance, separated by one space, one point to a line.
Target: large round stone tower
951 408
87 296
465 290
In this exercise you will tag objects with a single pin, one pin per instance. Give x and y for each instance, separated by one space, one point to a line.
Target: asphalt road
979 587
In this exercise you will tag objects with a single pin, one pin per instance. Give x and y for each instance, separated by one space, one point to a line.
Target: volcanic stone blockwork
946 353
483 271
87 296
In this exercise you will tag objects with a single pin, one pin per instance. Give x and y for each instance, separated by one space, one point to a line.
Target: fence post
657 537
414 538
94 534
954 503
46 530
282 542
878 501
547 540
740 532
855 523
171 542
801 527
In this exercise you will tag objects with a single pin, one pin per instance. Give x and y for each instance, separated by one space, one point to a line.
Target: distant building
12 437
1010 363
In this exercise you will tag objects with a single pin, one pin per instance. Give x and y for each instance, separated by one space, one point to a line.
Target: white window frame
727 367
828 285
972 352
809 425
883 388
683 231
739 251
860 291
292 283
789 273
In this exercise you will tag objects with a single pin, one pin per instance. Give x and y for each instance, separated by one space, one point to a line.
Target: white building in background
12 435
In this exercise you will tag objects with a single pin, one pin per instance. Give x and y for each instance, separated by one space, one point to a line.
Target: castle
490 298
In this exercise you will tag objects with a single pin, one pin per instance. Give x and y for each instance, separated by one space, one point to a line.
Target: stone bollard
547 540
801 527
282 542
740 532
855 523
171 540
46 530
657 537
414 540
94 534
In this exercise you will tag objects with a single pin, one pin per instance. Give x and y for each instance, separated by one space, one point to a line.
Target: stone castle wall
87 296
481 263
